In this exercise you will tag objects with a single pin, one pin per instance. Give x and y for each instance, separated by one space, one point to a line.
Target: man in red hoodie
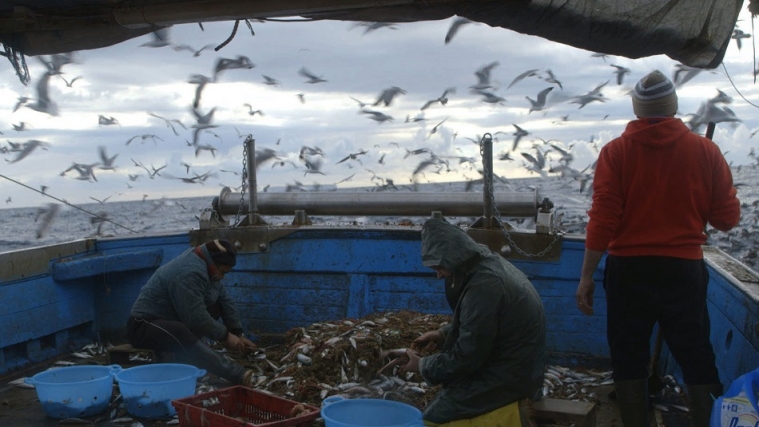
654 190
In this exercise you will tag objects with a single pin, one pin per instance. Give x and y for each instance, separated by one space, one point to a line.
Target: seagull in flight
270 81
518 135
529 73
483 76
434 129
738 35
43 103
143 138
312 78
353 156
443 99
170 123
195 52
621 71
241 62
377 116
454 28
387 96
27 148
107 121
107 162
541 101
250 110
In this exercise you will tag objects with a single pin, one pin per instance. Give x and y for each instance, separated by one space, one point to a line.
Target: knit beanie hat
222 252
654 96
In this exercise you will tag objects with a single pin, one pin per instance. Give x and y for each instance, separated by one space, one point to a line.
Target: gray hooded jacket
181 290
494 352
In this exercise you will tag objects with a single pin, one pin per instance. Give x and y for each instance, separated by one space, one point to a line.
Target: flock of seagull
543 157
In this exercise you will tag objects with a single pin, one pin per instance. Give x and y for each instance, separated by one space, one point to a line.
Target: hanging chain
488 181
244 178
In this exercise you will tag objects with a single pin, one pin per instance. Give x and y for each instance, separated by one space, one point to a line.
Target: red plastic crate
257 408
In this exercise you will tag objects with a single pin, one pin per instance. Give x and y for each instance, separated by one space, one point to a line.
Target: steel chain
487 180
244 179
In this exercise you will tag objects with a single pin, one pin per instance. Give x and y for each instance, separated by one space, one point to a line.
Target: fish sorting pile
345 358
353 359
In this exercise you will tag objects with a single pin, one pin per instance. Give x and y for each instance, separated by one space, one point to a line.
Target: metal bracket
529 242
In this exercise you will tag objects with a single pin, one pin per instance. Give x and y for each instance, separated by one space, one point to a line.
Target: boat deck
20 407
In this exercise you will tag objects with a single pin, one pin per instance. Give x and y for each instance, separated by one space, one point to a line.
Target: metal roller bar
509 204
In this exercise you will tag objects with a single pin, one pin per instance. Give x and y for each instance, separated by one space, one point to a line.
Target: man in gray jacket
181 303
492 354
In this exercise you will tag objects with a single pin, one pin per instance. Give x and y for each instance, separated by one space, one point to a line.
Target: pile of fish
353 358
345 358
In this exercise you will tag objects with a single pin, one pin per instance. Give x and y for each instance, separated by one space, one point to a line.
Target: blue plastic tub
369 413
74 391
149 389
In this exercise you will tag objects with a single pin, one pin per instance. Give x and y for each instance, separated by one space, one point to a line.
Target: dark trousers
644 290
175 337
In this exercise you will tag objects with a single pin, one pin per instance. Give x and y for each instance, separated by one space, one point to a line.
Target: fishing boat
53 298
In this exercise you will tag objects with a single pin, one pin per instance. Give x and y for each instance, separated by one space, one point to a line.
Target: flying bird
69 83
27 148
201 81
43 103
107 121
457 23
251 111
387 96
684 74
443 99
518 135
239 63
483 76
107 162
738 35
270 81
377 116
170 123
312 78
528 73
541 101
621 71
195 52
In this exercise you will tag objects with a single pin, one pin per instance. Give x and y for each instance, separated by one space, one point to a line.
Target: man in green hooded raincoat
492 354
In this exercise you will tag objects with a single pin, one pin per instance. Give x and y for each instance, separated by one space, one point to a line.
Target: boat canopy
694 32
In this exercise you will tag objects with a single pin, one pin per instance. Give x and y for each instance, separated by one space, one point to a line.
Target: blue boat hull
53 299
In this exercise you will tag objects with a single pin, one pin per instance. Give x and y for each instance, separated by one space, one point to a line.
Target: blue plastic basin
369 413
74 391
149 389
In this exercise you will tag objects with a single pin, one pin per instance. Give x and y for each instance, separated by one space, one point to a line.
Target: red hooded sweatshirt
655 188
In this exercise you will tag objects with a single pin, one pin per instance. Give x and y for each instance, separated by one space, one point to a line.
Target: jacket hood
655 131
447 245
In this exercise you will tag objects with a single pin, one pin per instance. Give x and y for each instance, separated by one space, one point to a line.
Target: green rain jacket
494 351
182 290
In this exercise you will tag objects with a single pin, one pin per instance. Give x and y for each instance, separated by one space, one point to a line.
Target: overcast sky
128 81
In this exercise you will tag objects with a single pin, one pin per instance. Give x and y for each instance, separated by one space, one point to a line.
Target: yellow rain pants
506 416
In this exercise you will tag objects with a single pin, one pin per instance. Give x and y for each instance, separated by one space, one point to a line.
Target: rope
736 88
68 204
231 36
18 61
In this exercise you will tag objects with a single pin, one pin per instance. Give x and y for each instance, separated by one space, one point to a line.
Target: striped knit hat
654 96
222 252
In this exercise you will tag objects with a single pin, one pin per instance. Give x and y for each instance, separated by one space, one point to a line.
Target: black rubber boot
203 356
632 398
700 402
